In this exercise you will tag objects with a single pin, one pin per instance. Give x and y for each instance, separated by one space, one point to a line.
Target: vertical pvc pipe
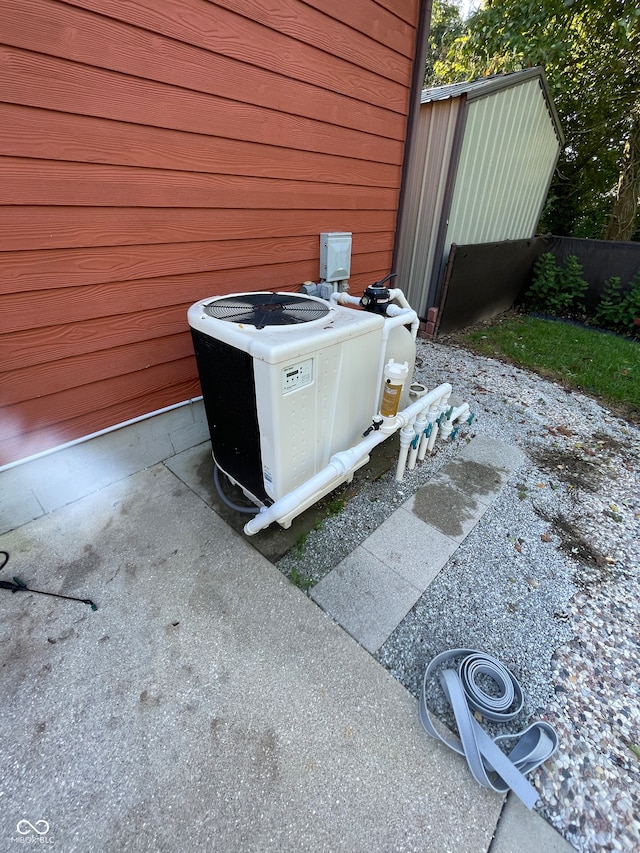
419 426
433 436
406 437
424 440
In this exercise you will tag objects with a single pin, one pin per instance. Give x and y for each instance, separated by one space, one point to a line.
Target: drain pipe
340 466
402 310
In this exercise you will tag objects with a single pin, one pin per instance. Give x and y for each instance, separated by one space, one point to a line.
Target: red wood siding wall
156 152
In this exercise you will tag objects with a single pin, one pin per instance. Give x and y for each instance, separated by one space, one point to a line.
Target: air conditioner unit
287 380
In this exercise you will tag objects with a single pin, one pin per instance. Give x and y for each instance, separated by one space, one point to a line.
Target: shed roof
486 86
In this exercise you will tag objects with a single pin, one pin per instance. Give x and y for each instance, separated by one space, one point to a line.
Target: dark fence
484 279
600 260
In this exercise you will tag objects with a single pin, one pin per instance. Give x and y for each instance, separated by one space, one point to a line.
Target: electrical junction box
335 255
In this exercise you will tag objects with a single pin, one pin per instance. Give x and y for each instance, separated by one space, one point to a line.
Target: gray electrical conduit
489 766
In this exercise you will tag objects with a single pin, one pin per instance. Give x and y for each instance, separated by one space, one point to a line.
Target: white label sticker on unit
297 375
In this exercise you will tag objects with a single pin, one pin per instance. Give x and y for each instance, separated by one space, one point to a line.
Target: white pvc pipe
340 465
438 403
447 426
406 436
320 484
419 427
398 295
408 415
433 436
344 298
461 412
392 311
396 311
425 442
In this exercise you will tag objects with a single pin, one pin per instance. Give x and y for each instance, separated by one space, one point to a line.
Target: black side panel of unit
229 393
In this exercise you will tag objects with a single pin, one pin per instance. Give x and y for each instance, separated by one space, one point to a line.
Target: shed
482 160
159 152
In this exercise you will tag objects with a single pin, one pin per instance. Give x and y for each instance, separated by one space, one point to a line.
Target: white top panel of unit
275 327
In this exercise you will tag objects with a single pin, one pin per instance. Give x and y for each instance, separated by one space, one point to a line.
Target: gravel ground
547 582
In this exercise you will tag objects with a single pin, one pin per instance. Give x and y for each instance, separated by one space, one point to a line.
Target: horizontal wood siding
158 152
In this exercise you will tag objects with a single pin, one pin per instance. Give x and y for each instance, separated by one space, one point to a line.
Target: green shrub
619 309
542 293
632 302
556 290
560 291
572 284
610 310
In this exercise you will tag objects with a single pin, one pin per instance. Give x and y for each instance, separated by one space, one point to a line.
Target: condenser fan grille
266 309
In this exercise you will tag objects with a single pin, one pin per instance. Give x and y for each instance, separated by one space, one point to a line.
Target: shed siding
159 152
428 173
504 168
479 172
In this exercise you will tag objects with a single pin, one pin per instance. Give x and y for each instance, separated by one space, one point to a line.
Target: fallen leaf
532 582
541 485
518 547
563 430
546 537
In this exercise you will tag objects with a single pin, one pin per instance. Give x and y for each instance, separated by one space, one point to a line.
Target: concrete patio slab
366 597
208 704
518 828
486 450
446 509
455 499
414 550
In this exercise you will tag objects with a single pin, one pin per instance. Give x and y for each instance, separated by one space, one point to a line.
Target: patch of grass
300 580
603 365
298 546
336 506
329 509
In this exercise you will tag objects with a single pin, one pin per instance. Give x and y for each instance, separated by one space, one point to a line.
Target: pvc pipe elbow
397 311
398 295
